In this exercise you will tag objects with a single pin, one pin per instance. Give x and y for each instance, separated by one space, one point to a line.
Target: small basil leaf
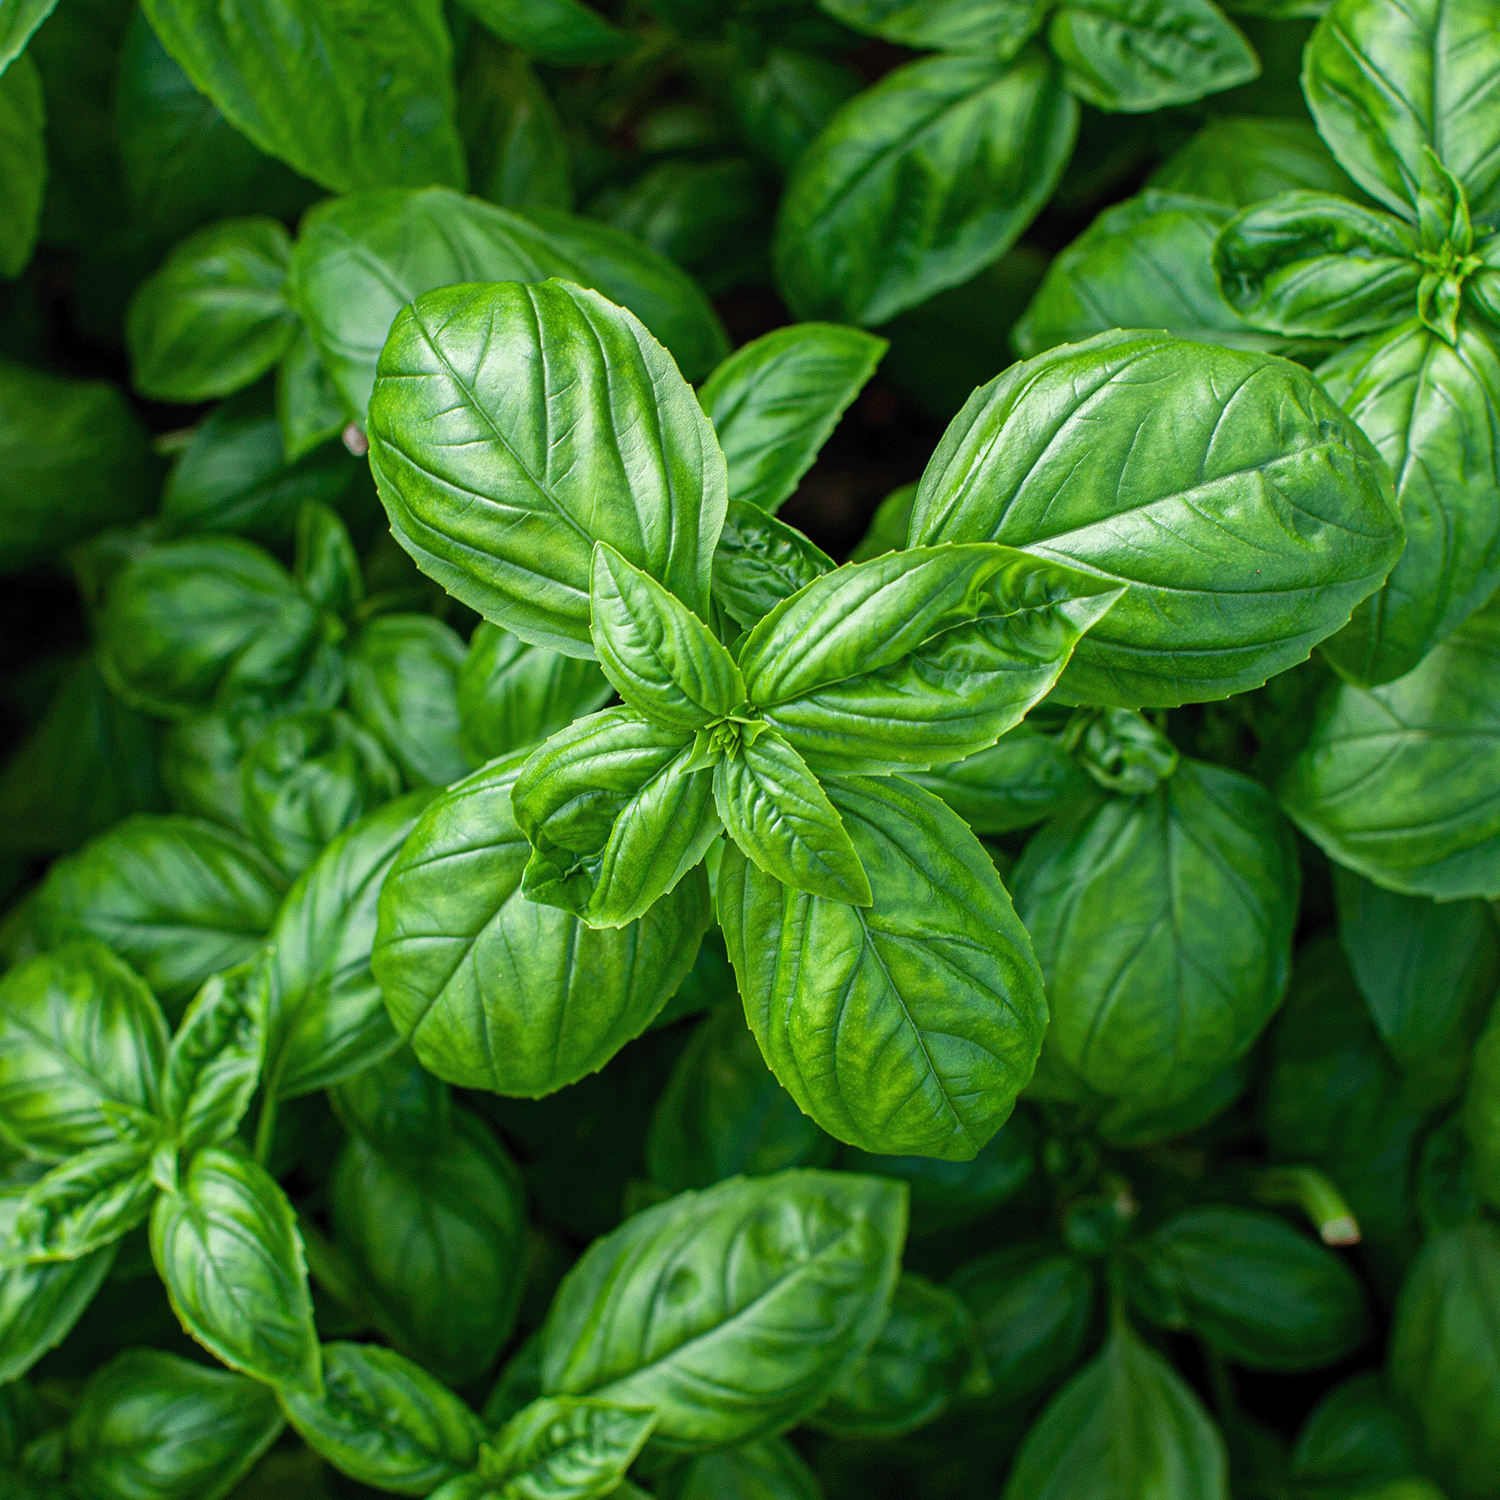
564 32
1481 1111
519 1383
1024 778
327 566
760 561
565 1447
23 162
888 526
83 1205
783 100
1240 160
993 27
309 408
767 1470
1357 1435
200 770
40 1303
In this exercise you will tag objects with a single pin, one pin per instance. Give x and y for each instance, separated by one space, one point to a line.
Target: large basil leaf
760 561
1024 778
542 461
563 1446
775 401
496 992
353 96
18 19
767 1470
1241 159
149 1423
1432 411
1395 781
565 32
40 1303
784 1281
1163 924
23 163
919 182
923 1017
1245 511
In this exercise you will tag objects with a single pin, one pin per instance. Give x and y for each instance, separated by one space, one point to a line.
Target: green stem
1315 1195
265 1127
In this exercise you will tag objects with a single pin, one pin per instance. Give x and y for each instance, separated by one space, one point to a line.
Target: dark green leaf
565 32
396 1105
518 152
564 1447
200 770
1481 1111
992 27
1240 160
309 407
1024 778
18 19
782 103
327 566
23 161
760 561
768 1470
1357 1435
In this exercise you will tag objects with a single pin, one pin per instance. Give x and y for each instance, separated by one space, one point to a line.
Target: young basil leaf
40 1303
79 1031
564 32
309 407
23 162
860 670
149 1423
227 1247
396 1105
1356 1435
18 19
548 464
327 566
1245 511
83 1205
495 992
864 1041
770 1469
1481 1111
1024 778
1240 160
919 182
515 138
760 561
565 1447
384 1421
782 101
888 526
814 1256
997 28
775 401
214 317
348 106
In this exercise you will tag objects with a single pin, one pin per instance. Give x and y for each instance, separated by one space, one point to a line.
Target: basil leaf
814 1260
1387 78
1356 1433
510 695
760 561
1139 55
1025 777
327 1019
436 1239
18 19
80 1037
559 1445
149 1423
457 410
227 1247
565 32
384 1421
200 771
396 1105
309 407
767 1470
919 182
41 1303
1163 925
23 162
615 817
214 317
1240 160
1247 514
858 669
1394 782
495 992
518 151
348 103
784 99
1481 1112
776 400
327 567
888 526
85 1204
994 27
866 1044
1433 412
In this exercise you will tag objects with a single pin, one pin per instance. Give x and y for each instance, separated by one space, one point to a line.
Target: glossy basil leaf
309 407
18 19
23 162
496 992
872 1044
176 898
1481 1111
214 317
785 1280
85 1204
384 1421
880 690
560 1445
518 151
1242 159
1244 511
510 695
723 1113
1251 1287
149 1423
565 32
396 1105
615 816
548 465
760 561
990 27
1127 1427
349 104
1130 55
919 182
327 1017
227 1247
82 1040
1025 777
436 1239
926 1357
770 1469
1387 78
782 101
42 1302
403 687
775 401
1432 411
1394 780
1163 925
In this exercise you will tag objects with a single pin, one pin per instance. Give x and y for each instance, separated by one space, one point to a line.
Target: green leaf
85 1204
23 160
1024 778
565 32
1127 1427
518 149
916 658
1250 1287
1163 925
396 1105
149 1423
309 408
760 561
1432 410
560 1446
352 95
1140 55
997 28
437 1241
214 317
770 1469
782 102
1357 1434
200 770
1387 78
775 401
919 182
1241 159
495 992
41 1303
327 567
18 19
782 1281
384 1421
1245 512
867 1041
547 459
659 656
227 1247
78 1032
1481 1112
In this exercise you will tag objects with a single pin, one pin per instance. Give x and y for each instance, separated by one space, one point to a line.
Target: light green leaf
565 32
563 1448
83 1205
760 561
41 1303
23 158
18 19
997 28
1241 159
